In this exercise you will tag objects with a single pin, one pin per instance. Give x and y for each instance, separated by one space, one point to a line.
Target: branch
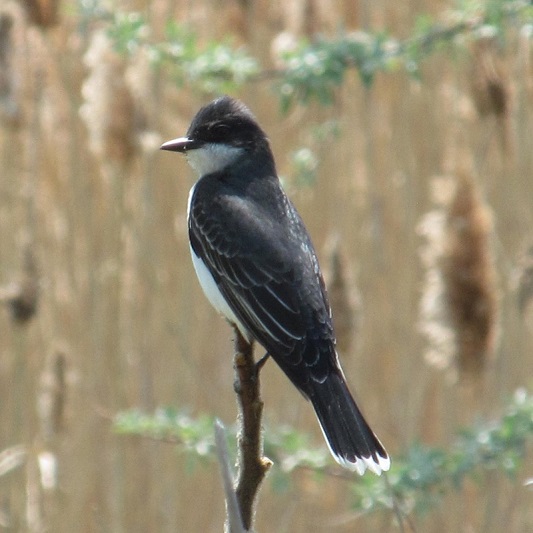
308 70
232 506
419 479
252 465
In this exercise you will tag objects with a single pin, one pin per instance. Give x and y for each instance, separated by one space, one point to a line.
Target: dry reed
9 106
52 395
524 281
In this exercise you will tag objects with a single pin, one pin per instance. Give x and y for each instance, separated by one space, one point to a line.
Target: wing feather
269 279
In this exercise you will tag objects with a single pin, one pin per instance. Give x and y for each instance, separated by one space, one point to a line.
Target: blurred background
412 171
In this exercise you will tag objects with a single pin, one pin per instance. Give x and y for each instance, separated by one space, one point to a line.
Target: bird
257 266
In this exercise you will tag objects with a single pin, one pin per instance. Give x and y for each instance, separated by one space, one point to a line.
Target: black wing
264 264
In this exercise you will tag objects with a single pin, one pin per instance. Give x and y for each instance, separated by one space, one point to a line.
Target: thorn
261 363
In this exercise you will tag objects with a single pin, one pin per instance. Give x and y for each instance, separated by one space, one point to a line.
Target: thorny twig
253 466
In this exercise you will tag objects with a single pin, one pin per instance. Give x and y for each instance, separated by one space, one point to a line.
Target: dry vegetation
102 311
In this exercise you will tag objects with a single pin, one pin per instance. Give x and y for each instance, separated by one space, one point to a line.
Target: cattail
21 296
433 321
490 86
42 13
469 276
342 294
108 110
458 309
139 77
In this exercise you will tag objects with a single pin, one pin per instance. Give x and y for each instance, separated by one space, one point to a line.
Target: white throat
213 157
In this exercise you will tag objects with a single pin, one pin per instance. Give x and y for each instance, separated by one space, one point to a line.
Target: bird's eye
219 129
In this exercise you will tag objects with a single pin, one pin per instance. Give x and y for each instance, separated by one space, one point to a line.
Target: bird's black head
222 132
223 121
226 121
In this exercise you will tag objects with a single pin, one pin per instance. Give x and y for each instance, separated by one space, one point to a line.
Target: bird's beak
181 144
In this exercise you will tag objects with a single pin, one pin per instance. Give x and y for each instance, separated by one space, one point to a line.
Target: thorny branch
252 465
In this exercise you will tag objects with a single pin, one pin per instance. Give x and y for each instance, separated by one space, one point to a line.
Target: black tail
350 439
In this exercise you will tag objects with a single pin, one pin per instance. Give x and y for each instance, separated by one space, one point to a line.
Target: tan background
103 213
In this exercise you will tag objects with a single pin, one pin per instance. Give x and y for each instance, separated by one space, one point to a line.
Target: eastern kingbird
258 268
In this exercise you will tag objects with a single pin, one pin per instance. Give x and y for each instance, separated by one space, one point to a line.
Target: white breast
210 287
